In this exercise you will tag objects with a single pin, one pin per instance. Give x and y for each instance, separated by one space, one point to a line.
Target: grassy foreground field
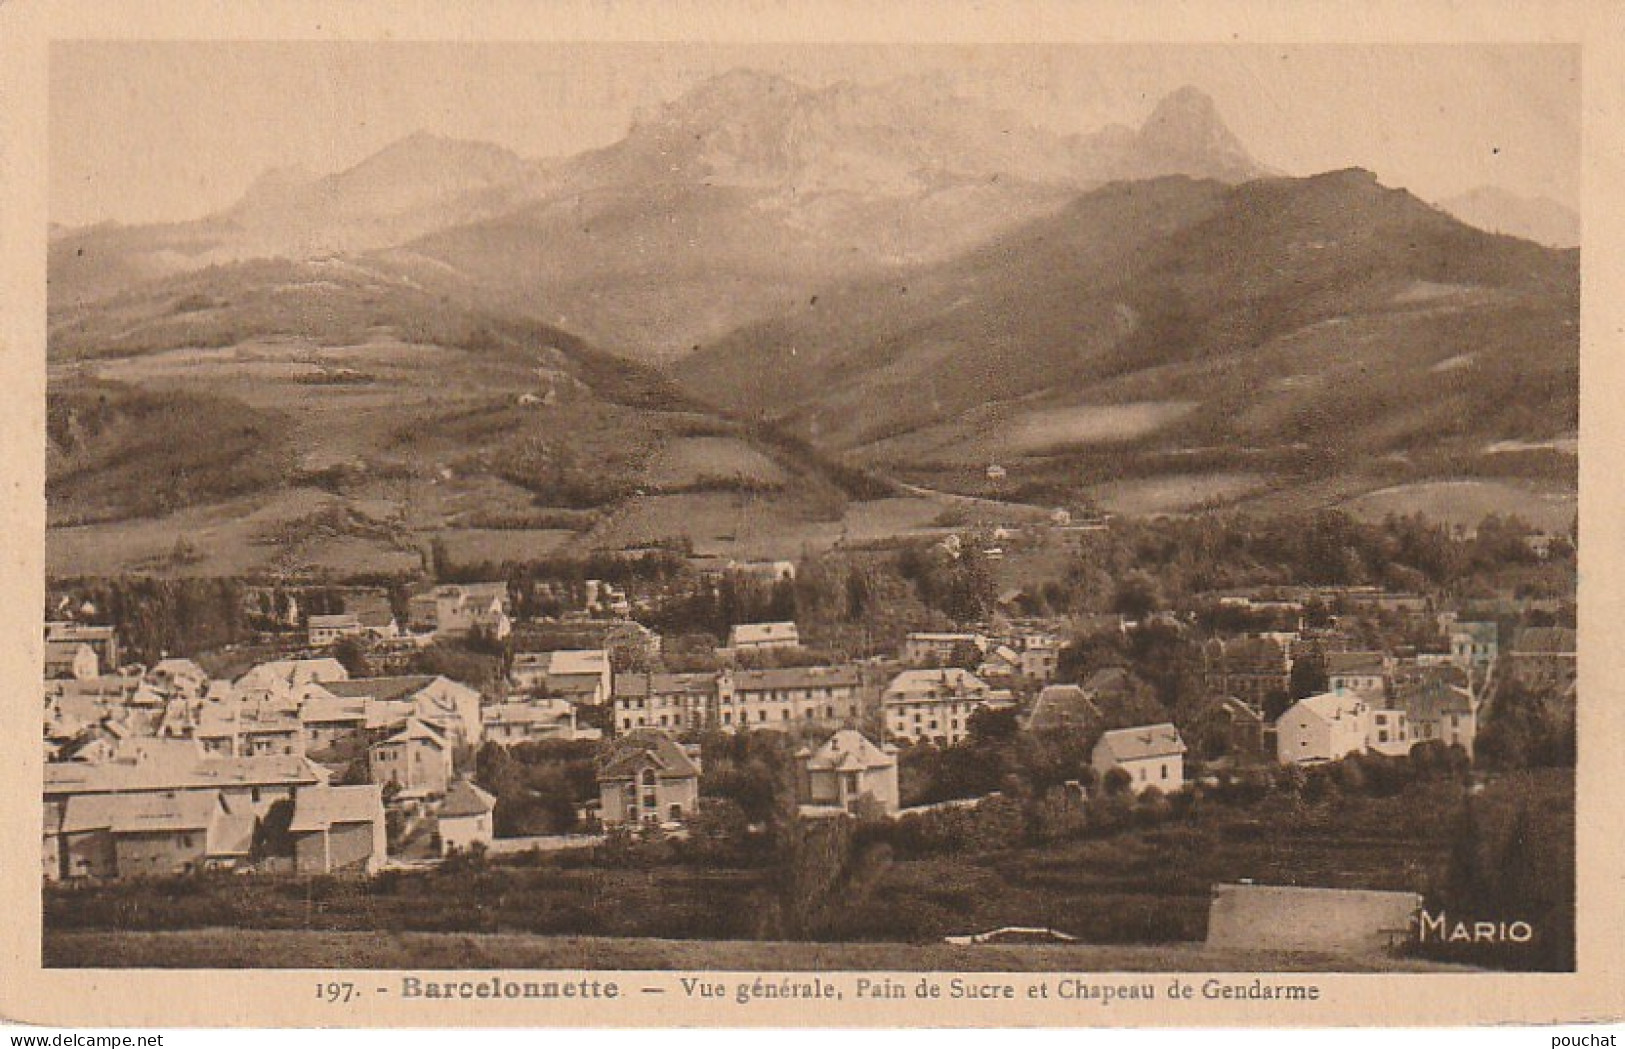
287 949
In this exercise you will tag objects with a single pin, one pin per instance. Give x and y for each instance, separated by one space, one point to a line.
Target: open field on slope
1466 502
283 949
1092 424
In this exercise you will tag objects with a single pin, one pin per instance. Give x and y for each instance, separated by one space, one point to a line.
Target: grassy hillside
1288 328
345 401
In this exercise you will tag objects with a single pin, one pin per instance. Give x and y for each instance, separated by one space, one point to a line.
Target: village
406 728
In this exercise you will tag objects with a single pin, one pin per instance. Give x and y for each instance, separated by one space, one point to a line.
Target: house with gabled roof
1151 756
582 676
416 760
846 769
324 630
450 706
933 706
648 778
466 817
1063 708
158 834
1323 727
339 829
761 637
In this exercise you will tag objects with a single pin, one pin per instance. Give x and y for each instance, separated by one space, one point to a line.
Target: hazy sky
144 132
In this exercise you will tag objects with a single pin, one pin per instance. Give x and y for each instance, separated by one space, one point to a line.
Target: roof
294 672
849 750
317 808
1107 679
265 770
463 798
944 681
341 619
627 685
1060 705
527 713
751 633
414 730
323 707
1354 663
578 661
1545 640
381 688
1144 741
141 813
632 751
1333 705
781 678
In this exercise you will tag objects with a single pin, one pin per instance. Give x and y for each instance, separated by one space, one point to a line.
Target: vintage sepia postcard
752 514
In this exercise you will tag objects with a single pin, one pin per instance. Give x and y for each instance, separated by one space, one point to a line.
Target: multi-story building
1323 727
1252 669
924 648
933 706
781 698
846 769
648 777
1150 755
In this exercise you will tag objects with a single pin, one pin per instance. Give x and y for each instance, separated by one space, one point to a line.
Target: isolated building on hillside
1323 727
325 630
339 829
465 818
1151 756
647 777
933 706
761 637
846 769
458 609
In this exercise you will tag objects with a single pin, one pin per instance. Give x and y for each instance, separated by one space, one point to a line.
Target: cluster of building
160 769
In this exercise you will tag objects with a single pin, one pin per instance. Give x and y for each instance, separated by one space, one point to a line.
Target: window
648 777
1164 771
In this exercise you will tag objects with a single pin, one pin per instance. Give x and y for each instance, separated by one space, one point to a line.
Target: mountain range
799 293
1539 219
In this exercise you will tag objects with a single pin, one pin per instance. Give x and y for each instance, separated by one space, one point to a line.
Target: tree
352 654
1308 677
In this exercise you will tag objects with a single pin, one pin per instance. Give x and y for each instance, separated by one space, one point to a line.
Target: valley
762 324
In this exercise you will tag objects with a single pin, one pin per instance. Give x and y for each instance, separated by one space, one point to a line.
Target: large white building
933 706
1150 755
1326 727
